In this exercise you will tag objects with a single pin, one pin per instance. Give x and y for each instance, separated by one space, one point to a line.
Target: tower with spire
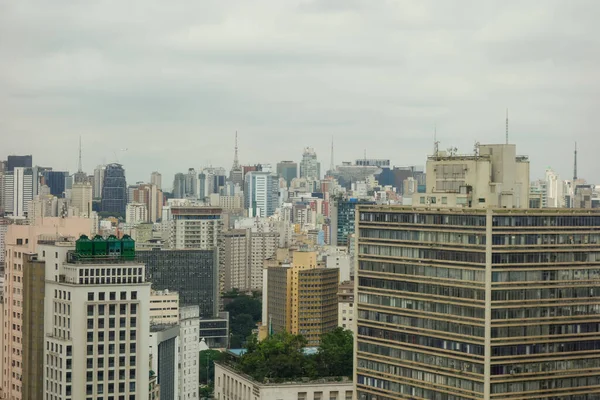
80 176
236 175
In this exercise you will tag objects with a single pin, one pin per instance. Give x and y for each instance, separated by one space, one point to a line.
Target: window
113 295
133 295
482 200
123 295
422 201
90 296
444 200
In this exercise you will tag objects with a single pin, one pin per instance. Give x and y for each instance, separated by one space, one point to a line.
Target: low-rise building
231 384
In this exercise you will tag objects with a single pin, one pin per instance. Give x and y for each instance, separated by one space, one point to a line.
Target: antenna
236 163
79 167
507 126
436 144
575 164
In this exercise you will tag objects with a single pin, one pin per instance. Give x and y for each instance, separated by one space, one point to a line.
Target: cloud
173 81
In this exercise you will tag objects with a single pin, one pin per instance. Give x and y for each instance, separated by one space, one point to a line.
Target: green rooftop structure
99 247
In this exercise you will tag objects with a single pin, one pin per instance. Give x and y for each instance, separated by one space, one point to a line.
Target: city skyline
296 73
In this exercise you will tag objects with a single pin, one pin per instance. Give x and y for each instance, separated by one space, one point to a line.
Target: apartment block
458 303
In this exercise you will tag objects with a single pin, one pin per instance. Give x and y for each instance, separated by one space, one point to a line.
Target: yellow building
301 297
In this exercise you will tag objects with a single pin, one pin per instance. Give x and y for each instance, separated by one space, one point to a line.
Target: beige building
346 306
233 385
164 307
21 241
492 177
235 260
152 196
136 213
81 199
301 298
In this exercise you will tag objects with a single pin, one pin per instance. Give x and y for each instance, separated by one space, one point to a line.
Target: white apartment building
233 385
261 194
164 307
18 191
189 352
95 326
81 199
346 317
195 227
492 177
136 213
156 179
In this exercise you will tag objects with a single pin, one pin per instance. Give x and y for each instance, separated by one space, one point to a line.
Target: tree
208 358
244 313
241 328
335 356
277 357
245 305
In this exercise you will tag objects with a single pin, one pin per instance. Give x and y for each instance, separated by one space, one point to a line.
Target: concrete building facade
164 307
189 352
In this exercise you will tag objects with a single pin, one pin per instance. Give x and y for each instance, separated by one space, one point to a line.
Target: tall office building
342 219
195 227
114 190
179 186
191 184
156 179
458 303
56 181
22 280
164 352
192 273
81 198
189 352
310 168
2 173
301 298
235 260
13 162
96 322
287 170
261 194
18 191
99 181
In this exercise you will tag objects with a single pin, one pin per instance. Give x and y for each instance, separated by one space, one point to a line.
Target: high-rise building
152 197
287 170
191 184
189 352
98 181
96 322
156 179
301 298
346 314
477 303
136 213
310 168
22 291
164 307
195 227
261 194
179 186
164 352
3 171
55 180
18 191
235 260
114 190
342 219
492 177
81 199
13 162
191 273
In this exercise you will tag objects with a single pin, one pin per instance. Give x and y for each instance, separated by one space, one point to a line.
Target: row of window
544 312
423 270
423 358
513 239
423 219
545 348
545 366
112 296
110 388
421 305
423 323
547 275
547 384
406 390
111 309
423 288
539 330
546 257
422 340
111 362
428 377
111 323
423 236
424 254
545 293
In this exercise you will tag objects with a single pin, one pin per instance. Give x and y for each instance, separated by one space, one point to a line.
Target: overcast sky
171 81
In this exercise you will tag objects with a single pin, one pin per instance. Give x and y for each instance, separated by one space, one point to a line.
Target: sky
164 85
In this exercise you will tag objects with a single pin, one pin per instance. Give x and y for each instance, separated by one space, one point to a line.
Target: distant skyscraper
98 181
262 193
195 227
56 181
156 179
191 184
287 170
179 186
81 198
18 191
310 168
13 162
114 190
342 219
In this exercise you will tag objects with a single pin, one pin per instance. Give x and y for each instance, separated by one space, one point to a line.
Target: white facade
136 213
156 179
96 327
346 316
231 385
18 191
164 307
195 227
310 168
98 181
341 261
261 193
81 199
555 190
189 352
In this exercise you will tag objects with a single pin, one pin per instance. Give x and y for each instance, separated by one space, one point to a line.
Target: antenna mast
507 126
79 166
236 163
575 164
436 144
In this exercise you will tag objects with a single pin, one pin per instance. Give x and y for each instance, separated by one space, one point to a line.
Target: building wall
164 307
485 302
231 385
189 352
346 314
81 198
235 260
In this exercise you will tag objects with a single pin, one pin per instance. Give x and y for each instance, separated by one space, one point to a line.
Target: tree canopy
244 313
335 356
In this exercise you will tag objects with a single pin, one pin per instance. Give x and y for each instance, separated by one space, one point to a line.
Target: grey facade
114 190
191 273
215 331
287 170
13 162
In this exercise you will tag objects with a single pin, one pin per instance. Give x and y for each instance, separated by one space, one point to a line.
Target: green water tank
128 247
114 246
99 246
84 246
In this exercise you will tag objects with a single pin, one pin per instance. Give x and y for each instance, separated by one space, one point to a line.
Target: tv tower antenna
436 143
507 126
575 164
79 166
236 163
